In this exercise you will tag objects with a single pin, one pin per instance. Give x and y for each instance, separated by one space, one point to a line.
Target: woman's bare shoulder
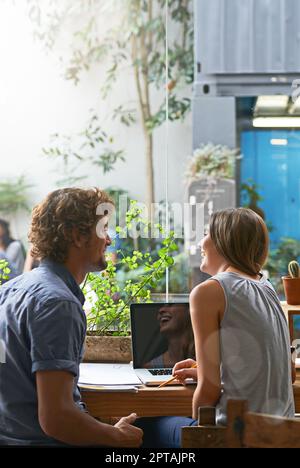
208 296
207 288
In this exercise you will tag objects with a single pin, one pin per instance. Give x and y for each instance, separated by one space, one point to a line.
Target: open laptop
161 336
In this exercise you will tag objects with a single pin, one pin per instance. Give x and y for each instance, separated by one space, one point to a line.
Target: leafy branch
93 144
4 271
111 301
13 195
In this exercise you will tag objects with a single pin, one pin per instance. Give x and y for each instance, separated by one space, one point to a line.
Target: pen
174 378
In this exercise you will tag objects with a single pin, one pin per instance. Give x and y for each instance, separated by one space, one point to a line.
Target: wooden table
296 388
149 401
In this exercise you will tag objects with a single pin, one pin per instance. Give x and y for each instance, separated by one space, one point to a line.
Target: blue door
272 160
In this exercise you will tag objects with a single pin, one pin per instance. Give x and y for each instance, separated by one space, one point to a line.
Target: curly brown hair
55 217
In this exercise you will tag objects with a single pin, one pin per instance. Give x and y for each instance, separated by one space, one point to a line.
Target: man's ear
77 238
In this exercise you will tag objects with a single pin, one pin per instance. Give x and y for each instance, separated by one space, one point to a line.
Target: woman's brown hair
55 217
241 236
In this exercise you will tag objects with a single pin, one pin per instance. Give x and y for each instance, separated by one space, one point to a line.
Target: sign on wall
205 197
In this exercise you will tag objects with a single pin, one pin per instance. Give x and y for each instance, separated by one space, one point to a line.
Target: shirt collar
60 270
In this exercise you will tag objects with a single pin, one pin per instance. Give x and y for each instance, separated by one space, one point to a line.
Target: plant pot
291 290
107 349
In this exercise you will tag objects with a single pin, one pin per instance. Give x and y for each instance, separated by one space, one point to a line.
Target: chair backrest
206 434
256 430
244 429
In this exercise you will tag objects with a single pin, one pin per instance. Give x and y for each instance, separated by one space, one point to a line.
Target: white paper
110 388
108 374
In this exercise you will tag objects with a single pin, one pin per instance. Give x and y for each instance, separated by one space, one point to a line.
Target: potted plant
213 162
110 294
291 283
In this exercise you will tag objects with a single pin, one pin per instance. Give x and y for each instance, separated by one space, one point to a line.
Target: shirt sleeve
57 332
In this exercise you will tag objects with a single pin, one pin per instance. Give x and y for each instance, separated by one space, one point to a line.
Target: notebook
161 336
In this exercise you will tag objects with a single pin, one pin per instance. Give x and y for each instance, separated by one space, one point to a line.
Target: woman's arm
207 305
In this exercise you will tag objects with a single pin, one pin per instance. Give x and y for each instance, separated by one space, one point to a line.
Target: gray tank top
254 347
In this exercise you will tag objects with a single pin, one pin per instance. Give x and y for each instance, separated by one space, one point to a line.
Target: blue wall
276 169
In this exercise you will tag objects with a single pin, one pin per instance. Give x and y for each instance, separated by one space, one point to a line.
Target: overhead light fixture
276 122
271 104
279 142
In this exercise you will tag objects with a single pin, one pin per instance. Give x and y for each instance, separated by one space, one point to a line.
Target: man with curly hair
43 327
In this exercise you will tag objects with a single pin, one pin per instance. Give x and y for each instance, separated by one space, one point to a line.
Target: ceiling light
279 142
271 105
276 122
272 101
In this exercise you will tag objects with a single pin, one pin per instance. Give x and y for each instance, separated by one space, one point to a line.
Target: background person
43 327
12 249
241 334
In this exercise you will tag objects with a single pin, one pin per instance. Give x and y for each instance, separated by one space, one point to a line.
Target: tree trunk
139 51
149 170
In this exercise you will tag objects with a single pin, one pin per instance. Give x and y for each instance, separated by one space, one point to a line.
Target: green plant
212 161
92 145
294 269
111 300
278 260
4 271
178 277
13 195
251 197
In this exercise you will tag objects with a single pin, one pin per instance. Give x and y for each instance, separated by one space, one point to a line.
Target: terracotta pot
108 349
291 290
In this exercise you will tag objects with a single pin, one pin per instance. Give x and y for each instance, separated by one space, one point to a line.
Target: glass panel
98 93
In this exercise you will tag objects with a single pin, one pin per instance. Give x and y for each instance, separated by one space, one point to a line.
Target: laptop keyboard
160 371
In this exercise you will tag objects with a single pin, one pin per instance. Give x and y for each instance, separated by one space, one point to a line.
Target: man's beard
101 265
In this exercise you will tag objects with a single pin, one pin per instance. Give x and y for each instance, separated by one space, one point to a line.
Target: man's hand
61 419
183 370
130 436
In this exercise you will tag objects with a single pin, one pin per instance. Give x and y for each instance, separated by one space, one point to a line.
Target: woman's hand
185 370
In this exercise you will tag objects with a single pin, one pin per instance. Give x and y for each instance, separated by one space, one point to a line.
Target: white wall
36 101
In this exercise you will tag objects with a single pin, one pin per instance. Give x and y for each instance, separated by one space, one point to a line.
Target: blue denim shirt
42 327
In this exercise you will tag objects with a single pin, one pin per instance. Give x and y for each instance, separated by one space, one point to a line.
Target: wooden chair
244 429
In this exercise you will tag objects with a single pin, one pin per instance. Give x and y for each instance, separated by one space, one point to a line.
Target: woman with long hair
11 249
241 335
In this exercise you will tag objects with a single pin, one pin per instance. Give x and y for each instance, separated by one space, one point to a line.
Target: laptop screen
161 334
